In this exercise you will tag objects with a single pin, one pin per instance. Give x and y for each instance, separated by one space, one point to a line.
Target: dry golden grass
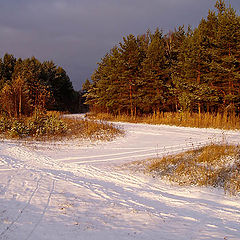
95 130
213 165
184 119
51 126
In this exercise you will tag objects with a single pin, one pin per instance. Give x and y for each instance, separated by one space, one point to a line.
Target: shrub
46 125
5 124
52 126
18 129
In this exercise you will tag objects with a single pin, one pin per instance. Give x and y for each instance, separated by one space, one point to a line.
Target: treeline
27 85
194 70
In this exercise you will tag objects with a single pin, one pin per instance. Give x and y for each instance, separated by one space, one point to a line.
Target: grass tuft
213 165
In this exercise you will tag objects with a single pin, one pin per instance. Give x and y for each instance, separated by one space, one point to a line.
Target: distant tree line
196 70
27 85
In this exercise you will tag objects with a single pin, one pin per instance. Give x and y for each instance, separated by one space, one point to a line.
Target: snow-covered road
73 190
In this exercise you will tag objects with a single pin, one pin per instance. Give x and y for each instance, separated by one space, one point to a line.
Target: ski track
152 152
21 211
51 195
43 212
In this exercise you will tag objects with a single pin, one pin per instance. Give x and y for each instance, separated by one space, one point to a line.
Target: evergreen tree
224 67
7 99
130 62
28 85
196 71
86 86
173 45
2 80
9 62
57 81
154 76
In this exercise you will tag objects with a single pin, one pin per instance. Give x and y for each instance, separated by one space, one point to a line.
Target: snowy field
73 190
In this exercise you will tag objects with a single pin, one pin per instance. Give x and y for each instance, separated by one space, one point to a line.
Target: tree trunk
198 81
20 102
15 106
131 102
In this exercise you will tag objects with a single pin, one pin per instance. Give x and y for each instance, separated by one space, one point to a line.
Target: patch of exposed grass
95 130
52 126
213 165
183 119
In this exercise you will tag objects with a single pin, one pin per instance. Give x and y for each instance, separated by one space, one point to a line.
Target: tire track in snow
108 191
6 187
8 228
113 194
129 192
44 210
105 155
135 198
107 175
5 169
153 152
112 188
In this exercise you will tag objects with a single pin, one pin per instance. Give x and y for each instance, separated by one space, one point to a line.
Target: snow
79 190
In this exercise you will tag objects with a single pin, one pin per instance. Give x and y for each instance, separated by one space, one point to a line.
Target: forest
185 70
27 86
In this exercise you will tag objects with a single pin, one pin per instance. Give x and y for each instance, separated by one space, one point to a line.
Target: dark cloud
77 33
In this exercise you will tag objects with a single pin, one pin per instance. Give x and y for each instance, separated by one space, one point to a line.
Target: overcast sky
76 34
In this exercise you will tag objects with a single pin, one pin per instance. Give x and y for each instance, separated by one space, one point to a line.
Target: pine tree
96 96
7 99
86 86
195 70
2 81
224 68
131 60
153 81
173 45
9 62
62 96
193 67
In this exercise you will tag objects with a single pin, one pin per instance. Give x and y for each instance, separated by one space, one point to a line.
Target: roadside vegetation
212 165
90 129
32 95
186 77
51 126
183 119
